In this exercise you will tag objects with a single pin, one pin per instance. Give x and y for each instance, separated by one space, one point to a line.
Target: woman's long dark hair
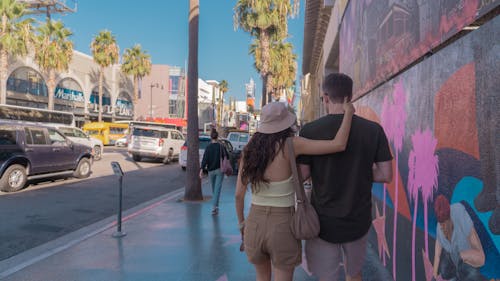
259 152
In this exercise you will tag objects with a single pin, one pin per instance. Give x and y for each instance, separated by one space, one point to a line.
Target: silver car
155 142
79 136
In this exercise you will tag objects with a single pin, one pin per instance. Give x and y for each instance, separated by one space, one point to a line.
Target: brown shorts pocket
286 249
250 235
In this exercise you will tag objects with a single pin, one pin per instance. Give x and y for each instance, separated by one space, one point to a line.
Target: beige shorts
324 259
268 237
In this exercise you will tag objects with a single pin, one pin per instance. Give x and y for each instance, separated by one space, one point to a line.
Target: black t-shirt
342 182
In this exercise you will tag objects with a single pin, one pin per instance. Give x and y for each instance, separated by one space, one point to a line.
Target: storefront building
77 90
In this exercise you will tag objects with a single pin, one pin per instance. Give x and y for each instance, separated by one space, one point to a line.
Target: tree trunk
136 96
101 78
51 88
264 91
3 66
264 73
193 183
3 76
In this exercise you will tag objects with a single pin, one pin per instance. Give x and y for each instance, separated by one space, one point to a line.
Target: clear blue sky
161 27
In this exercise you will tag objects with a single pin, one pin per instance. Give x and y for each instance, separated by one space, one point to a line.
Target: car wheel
169 157
97 152
83 169
13 179
136 157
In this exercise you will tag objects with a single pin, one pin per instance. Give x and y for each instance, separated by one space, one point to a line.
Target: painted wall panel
380 38
441 118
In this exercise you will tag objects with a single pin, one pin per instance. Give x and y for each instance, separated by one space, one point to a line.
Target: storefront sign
68 94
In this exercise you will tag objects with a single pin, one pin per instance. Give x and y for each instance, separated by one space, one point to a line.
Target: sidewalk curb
22 260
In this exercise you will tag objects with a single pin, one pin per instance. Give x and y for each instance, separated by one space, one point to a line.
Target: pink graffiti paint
422 176
394 122
379 226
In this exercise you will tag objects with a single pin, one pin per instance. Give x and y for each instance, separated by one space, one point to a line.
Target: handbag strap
221 151
299 190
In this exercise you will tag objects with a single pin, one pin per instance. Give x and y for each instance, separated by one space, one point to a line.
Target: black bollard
118 172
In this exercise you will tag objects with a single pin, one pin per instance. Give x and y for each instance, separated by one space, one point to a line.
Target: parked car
204 141
238 139
32 151
121 142
79 136
155 142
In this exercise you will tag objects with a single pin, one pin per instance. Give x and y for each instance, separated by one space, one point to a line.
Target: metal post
118 172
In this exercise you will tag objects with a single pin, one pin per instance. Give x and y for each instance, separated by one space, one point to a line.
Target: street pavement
166 239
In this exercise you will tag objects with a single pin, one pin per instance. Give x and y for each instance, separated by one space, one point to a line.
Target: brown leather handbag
305 221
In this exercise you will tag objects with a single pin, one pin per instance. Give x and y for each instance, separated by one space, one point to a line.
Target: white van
238 140
155 142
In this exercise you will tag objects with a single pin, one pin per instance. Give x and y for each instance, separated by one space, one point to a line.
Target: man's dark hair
337 86
214 135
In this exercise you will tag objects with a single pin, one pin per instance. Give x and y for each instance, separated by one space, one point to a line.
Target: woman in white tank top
269 243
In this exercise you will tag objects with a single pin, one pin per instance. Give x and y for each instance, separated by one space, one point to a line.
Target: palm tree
223 88
105 52
283 63
11 40
422 175
193 184
284 68
267 21
137 63
53 52
394 122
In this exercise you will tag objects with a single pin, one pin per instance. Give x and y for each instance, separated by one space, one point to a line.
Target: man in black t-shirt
342 183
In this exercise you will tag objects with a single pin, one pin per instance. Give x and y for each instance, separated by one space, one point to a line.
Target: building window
172 107
26 80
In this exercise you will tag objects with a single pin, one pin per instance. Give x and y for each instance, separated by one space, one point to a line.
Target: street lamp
151 86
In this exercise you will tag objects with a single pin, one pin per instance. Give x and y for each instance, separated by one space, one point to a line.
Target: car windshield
146 133
68 132
204 142
243 138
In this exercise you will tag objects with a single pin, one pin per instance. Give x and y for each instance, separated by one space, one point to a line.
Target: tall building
250 93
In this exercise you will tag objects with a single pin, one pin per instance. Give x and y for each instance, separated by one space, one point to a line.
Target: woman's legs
218 176
263 271
283 275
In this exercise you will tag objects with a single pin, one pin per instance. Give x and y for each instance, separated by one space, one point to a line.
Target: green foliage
266 21
136 62
224 86
105 49
53 50
15 34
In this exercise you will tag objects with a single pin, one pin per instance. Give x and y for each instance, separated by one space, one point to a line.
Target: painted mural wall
379 38
442 120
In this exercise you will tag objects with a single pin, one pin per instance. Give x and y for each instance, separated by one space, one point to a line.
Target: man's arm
382 171
475 255
305 171
437 256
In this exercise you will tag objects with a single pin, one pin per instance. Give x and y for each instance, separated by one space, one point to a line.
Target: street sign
117 169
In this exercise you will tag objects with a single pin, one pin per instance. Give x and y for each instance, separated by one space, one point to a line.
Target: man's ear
326 99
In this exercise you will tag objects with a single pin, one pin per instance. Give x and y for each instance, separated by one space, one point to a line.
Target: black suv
31 151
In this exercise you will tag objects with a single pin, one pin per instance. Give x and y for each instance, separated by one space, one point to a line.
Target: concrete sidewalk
167 240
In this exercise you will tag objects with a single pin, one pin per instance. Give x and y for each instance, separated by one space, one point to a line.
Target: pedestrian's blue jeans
215 178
